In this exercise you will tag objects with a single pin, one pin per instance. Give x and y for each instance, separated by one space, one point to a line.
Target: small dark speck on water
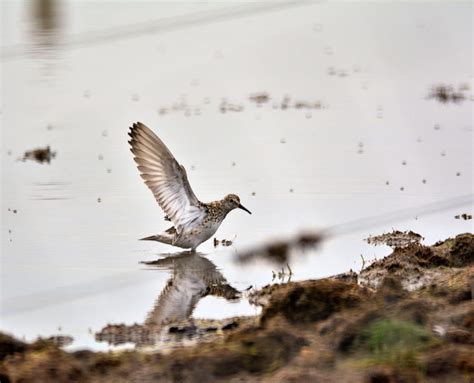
105 133
99 200
464 216
402 188
443 154
233 163
9 231
15 211
101 157
282 141
423 180
458 174
291 190
135 97
49 127
253 193
404 163
387 182
109 171
9 152
437 127
259 98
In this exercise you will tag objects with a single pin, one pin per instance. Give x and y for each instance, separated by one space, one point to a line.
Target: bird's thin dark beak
244 208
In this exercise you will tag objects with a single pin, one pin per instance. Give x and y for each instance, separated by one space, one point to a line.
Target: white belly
190 239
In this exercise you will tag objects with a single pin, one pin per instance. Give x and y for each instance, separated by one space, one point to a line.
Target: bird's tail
164 238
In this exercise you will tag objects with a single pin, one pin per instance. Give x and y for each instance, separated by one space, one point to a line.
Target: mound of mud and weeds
406 318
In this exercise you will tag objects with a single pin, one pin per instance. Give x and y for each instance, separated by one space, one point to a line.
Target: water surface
349 131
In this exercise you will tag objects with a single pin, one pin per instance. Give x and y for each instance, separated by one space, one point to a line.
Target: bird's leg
176 237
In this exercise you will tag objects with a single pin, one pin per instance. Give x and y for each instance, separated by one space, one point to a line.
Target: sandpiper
194 221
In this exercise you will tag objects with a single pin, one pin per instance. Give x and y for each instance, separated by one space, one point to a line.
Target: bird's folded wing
165 177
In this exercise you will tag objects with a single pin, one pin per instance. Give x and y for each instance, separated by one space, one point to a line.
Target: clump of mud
395 239
301 302
417 265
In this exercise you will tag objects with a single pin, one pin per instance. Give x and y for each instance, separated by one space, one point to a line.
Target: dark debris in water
258 99
463 216
307 105
448 93
223 242
227 106
40 155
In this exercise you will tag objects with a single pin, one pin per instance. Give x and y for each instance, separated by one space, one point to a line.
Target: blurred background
314 113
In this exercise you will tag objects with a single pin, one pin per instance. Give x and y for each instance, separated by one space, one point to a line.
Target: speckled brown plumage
194 221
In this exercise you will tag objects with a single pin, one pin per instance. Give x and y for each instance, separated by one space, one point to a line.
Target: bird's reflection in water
170 321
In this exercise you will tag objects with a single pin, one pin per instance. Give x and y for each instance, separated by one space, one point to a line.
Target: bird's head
232 201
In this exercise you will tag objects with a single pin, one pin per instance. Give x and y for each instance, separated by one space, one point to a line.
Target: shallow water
71 264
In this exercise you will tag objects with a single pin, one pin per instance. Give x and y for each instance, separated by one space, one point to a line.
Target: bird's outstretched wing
165 177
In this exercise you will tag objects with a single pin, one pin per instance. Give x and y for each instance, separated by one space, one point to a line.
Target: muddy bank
405 318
